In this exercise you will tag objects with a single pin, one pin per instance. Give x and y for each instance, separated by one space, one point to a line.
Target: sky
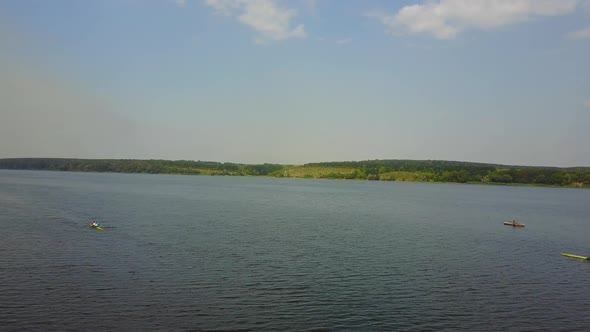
297 81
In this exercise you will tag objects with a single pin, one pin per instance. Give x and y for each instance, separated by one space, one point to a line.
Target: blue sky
297 81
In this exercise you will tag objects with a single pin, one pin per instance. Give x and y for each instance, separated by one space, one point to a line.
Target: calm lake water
264 254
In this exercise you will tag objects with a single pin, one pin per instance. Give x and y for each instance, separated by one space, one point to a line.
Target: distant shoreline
536 185
430 171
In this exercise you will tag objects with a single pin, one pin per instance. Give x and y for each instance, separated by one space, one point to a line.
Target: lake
266 254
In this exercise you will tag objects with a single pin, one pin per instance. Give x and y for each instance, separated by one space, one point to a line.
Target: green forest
383 170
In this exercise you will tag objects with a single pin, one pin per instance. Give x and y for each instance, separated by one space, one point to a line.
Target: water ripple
244 254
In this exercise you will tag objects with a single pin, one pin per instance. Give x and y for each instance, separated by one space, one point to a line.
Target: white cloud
271 21
580 34
344 41
444 19
311 6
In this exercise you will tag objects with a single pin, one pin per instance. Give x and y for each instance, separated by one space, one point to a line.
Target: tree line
152 166
459 172
384 170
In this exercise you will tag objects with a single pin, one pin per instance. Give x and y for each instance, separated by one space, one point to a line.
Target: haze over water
266 254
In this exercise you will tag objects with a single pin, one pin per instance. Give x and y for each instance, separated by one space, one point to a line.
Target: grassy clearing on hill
317 172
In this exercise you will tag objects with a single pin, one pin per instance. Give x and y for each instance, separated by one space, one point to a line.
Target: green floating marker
574 256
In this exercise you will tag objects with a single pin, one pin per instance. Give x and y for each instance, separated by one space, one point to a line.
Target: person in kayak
95 224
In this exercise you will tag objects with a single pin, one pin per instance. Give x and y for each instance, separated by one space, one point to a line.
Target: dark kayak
509 223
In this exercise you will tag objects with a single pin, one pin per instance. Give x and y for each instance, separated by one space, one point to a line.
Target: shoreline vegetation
371 170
